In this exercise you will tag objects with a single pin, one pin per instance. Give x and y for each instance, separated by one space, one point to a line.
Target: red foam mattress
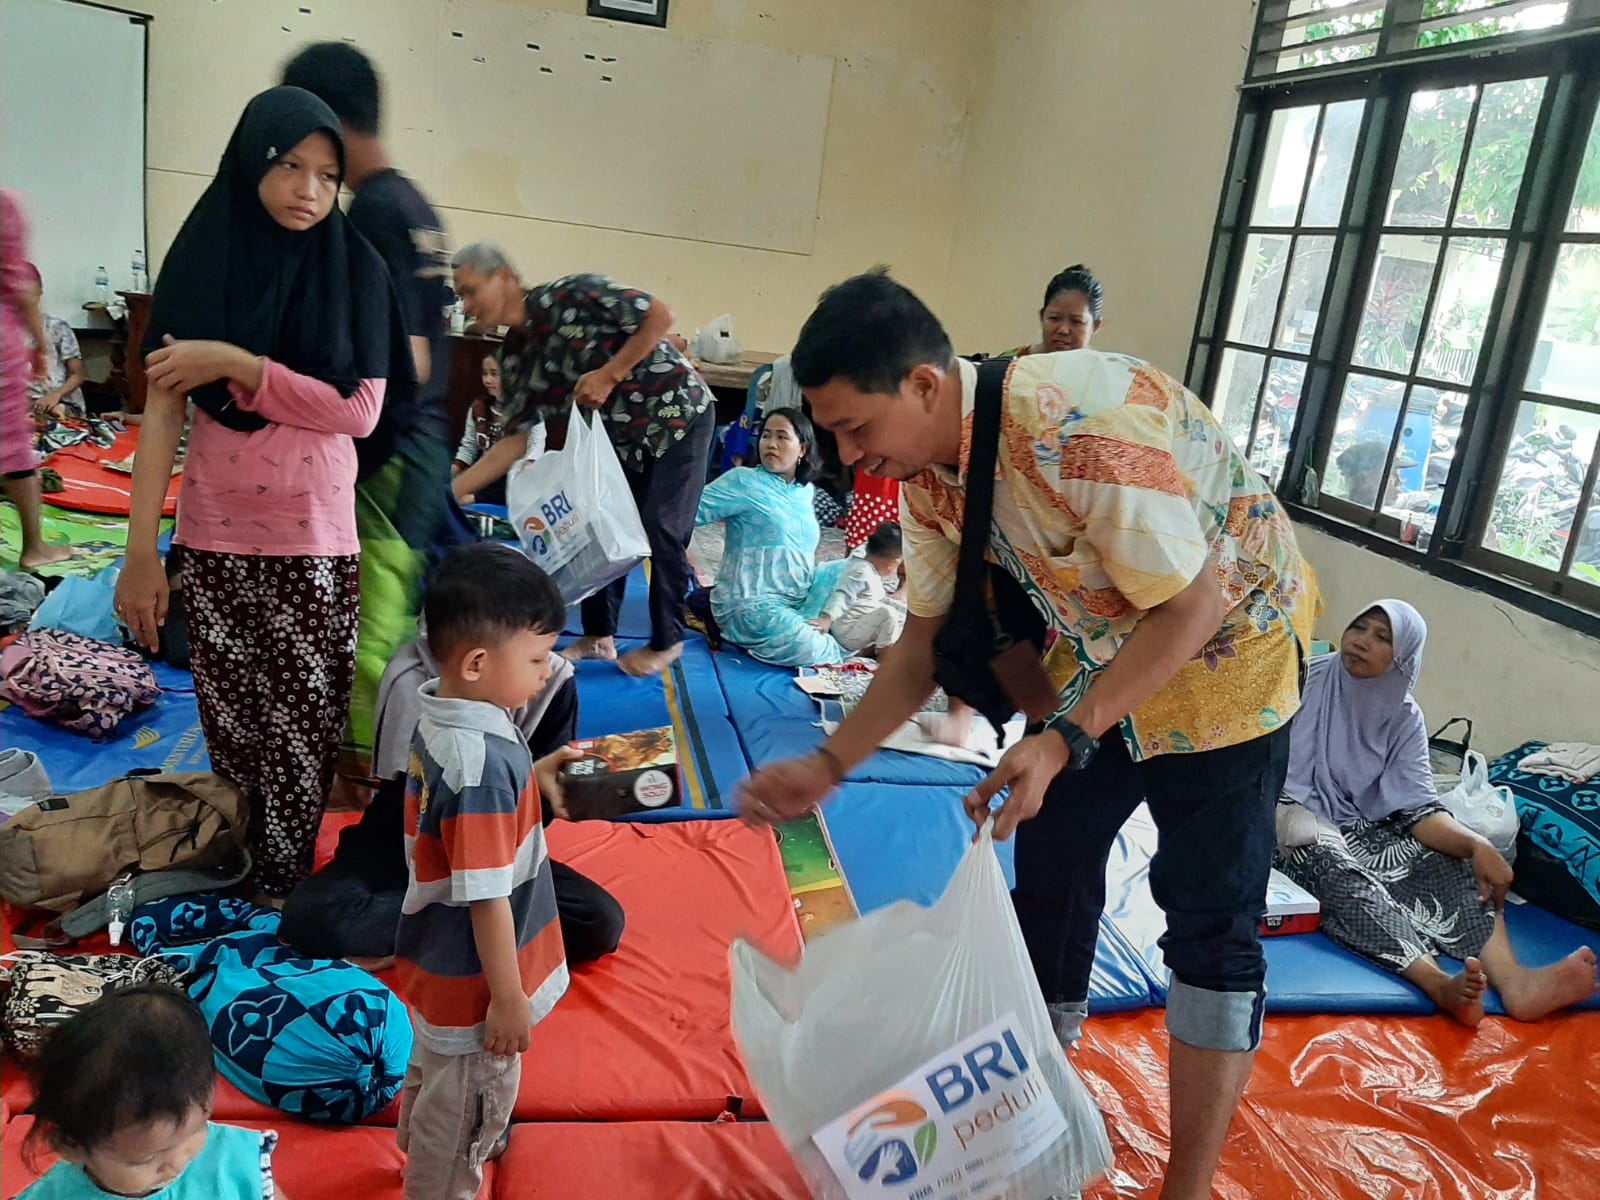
89 486
644 1034
647 1160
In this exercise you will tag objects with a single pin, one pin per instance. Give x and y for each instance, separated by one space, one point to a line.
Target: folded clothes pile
1576 762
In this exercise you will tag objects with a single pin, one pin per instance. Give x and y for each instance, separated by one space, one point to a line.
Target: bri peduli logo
547 518
877 1147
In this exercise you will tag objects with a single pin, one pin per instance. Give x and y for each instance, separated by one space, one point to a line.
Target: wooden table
467 352
127 379
138 322
735 375
730 382
465 384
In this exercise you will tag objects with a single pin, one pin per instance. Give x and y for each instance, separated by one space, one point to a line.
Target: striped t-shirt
472 833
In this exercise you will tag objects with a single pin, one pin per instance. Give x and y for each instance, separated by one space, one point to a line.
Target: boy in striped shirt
478 949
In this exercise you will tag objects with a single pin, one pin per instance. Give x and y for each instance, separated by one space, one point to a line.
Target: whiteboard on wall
620 126
72 102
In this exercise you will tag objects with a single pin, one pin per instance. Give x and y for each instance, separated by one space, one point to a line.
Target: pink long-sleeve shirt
286 489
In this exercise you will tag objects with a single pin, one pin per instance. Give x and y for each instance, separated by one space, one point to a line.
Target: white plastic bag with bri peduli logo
573 512
910 1055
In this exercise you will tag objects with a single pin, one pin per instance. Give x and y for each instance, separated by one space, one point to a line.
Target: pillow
317 1038
1561 818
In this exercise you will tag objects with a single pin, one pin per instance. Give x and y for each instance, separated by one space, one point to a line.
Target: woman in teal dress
768 585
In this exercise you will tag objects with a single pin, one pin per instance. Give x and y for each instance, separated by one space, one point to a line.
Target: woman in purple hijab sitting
1400 880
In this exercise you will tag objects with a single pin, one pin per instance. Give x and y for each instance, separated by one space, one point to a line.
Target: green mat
97 541
822 899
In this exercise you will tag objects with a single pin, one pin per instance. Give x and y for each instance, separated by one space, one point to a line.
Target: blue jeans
1214 812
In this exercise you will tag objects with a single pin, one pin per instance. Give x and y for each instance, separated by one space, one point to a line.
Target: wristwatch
1083 746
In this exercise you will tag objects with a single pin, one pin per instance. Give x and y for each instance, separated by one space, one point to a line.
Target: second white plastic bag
912 1049
574 514
1484 808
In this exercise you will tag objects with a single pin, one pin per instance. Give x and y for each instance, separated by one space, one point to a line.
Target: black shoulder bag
988 655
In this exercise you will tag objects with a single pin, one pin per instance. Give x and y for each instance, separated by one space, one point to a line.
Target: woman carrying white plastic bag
913 1048
574 513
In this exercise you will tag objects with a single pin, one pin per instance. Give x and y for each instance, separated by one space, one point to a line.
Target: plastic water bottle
119 907
141 278
102 285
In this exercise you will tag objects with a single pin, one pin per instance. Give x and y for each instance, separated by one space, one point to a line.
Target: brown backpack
66 849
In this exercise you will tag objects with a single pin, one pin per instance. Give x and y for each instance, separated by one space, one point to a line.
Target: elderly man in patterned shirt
1183 612
587 340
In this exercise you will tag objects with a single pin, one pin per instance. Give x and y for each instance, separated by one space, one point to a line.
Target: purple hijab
1359 748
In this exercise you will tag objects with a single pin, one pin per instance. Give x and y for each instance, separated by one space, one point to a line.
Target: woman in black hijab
277 319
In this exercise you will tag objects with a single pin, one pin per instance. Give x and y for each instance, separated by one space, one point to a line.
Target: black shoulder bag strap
971 603
973 642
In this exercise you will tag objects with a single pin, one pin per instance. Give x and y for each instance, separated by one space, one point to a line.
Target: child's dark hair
872 332
885 541
138 1054
486 592
1077 278
343 78
806 434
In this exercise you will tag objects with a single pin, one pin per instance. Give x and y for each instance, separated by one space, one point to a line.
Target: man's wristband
835 764
1081 746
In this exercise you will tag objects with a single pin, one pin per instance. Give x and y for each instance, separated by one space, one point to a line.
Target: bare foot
44 556
602 648
645 661
1461 996
1536 992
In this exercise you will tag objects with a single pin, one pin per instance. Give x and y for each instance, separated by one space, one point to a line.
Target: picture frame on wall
640 12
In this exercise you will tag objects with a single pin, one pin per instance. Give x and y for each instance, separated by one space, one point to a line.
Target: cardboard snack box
1290 908
622 773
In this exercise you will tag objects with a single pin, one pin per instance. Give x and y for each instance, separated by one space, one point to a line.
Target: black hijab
320 302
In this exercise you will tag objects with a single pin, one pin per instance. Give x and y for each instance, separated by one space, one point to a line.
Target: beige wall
892 157
1099 134
1516 675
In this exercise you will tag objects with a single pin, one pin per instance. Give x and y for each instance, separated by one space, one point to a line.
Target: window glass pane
1333 23
1330 174
1430 155
1391 322
1238 385
1540 483
1299 8
1302 301
1469 28
1286 379
1566 360
1461 308
1261 279
1283 166
1586 562
1361 438
1500 140
1585 214
1433 425
1316 55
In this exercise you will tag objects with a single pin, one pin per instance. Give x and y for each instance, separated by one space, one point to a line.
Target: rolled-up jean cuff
1211 1020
